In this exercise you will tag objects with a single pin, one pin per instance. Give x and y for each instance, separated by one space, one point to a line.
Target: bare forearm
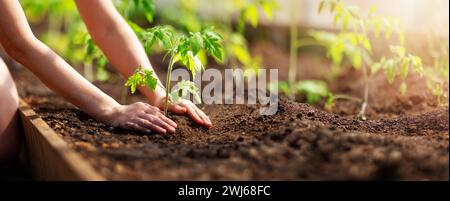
117 41
65 81
19 42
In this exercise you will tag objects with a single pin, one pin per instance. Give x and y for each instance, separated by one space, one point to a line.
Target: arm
19 42
122 48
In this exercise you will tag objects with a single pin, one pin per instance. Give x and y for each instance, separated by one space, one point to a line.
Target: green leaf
389 70
241 54
404 68
281 86
150 80
356 59
416 63
136 28
149 42
321 6
102 74
149 9
268 9
196 42
164 35
134 81
313 89
398 50
90 48
212 44
142 77
387 28
185 87
377 24
375 68
366 44
251 15
403 88
372 10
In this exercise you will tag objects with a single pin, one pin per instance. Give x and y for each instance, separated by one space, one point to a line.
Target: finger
167 120
193 114
150 125
135 127
177 109
205 118
156 120
165 125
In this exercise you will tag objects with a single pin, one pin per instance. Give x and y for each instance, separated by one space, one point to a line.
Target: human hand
188 108
141 117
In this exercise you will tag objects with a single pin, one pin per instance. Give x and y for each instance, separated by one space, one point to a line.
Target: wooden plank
49 156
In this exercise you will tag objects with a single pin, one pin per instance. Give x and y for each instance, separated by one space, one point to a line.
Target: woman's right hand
141 117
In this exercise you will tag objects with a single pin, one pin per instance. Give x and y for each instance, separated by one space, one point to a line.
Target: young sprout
180 49
354 44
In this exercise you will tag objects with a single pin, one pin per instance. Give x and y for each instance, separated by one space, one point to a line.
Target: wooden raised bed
49 156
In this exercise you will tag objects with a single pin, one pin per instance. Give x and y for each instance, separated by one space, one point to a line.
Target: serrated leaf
150 80
149 42
212 44
133 81
196 42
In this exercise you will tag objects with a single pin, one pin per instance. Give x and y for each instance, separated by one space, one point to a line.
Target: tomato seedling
179 48
353 43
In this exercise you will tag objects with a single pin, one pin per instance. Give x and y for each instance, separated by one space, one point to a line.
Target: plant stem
362 112
169 72
367 78
293 49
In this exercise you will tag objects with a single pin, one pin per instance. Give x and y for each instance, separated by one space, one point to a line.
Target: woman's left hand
188 108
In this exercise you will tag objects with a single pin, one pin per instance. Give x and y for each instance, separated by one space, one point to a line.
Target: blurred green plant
438 75
64 32
187 16
67 34
180 48
352 43
314 90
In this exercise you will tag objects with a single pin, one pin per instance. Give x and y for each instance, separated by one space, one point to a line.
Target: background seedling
354 44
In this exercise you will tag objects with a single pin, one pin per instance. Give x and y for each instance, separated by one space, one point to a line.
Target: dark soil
300 142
